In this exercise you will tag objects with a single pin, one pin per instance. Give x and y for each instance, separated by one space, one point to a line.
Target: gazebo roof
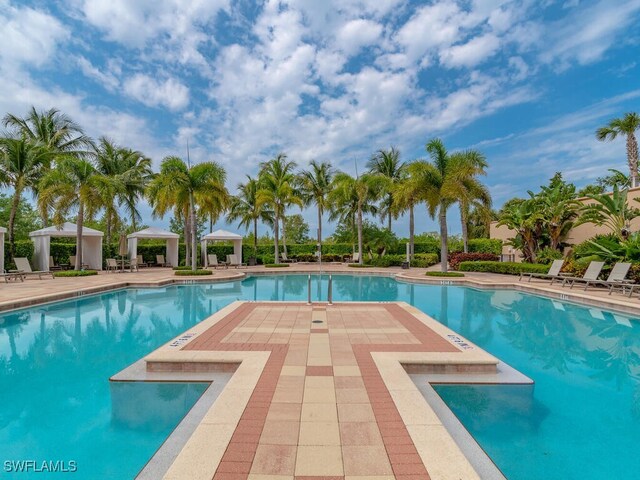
68 229
222 235
3 230
153 232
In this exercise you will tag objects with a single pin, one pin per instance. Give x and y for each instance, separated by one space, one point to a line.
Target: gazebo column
2 230
132 248
203 252
172 251
41 252
237 249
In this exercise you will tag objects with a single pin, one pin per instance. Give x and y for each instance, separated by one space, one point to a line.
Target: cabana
221 236
157 234
91 245
2 232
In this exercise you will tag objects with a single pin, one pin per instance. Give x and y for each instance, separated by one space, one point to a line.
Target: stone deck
320 392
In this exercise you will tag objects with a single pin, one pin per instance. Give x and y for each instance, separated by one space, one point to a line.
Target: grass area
186 273
276 265
75 273
357 265
509 268
444 274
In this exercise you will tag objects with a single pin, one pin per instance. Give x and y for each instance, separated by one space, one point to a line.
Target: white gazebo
91 245
2 232
156 234
221 236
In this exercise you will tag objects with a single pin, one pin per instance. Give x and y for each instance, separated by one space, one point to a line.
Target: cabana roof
3 230
153 232
222 235
68 229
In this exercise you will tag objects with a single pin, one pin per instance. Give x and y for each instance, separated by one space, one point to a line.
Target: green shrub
485 245
183 267
509 268
276 265
24 248
420 260
75 273
457 258
444 274
548 255
186 273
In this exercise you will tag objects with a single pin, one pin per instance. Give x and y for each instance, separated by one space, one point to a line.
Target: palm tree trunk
194 237
464 214
411 231
284 236
255 237
108 225
319 225
187 244
359 233
276 233
444 253
79 223
389 213
632 156
12 220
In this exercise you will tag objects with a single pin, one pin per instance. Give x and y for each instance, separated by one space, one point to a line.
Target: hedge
420 260
24 248
276 265
444 274
75 273
510 268
186 273
457 258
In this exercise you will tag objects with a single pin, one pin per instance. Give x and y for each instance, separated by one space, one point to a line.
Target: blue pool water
581 420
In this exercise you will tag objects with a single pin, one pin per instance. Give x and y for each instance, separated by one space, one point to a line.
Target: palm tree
130 171
74 184
278 191
315 185
387 163
22 164
611 210
360 192
443 183
473 193
627 126
526 219
407 193
244 207
184 189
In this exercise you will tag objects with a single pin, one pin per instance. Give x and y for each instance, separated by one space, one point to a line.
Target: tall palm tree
315 185
361 191
130 171
407 194
244 207
387 163
627 126
181 187
442 182
472 192
278 191
22 164
74 184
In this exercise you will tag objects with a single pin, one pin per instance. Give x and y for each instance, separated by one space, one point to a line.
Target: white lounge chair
232 261
24 268
615 279
284 259
553 273
52 264
140 261
12 276
160 262
212 261
112 265
72 262
592 274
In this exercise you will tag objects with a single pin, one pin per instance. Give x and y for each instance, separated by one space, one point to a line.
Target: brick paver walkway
320 409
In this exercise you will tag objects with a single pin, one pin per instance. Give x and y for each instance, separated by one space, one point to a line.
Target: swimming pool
579 421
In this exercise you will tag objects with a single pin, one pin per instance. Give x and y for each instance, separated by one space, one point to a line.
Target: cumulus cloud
169 93
472 53
357 34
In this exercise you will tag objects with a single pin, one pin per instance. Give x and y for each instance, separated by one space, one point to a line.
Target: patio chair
212 261
72 262
133 264
355 258
24 268
52 264
140 261
232 261
553 272
284 259
615 279
592 273
11 276
160 262
112 265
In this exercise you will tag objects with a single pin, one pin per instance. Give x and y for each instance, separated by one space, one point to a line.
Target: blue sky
527 82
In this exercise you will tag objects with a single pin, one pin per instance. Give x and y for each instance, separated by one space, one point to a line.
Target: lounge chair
232 261
112 265
140 261
212 261
133 264
24 268
72 262
355 258
52 264
592 274
12 276
284 259
615 279
160 262
552 273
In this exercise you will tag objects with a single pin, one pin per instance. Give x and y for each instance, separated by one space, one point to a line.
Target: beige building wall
577 235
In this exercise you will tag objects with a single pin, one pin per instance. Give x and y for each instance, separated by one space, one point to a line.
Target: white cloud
108 79
472 53
29 36
357 34
169 93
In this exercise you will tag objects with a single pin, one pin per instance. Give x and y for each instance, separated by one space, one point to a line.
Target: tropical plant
278 191
626 125
245 209
525 219
22 165
183 189
73 185
407 194
315 185
559 208
130 172
387 163
353 196
472 194
610 210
